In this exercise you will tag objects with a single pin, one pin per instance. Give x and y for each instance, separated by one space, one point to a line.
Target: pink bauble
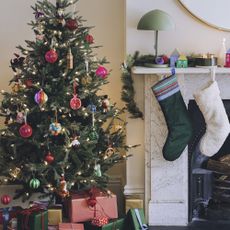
25 131
75 103
5 199
51 56
102 72
40 97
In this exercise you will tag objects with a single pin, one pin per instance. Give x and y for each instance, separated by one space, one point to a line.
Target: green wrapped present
136 220
33 219
114 225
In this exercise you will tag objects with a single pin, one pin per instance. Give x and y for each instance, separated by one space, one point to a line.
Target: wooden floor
197 226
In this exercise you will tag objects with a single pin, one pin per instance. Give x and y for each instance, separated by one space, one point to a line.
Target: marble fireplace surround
166 183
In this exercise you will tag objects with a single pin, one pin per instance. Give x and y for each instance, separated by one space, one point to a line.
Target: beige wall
106 15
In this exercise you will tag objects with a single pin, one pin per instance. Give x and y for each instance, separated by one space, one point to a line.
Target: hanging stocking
176 115
217 124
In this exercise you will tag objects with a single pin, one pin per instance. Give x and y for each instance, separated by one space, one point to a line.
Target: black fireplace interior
209 177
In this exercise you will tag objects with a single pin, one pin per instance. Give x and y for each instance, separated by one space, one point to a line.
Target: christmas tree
61 132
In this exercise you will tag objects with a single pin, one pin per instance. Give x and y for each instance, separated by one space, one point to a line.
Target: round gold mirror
215 13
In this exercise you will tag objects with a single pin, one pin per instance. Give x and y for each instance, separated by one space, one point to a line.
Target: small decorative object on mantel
173 58
182 62
227 59
206 60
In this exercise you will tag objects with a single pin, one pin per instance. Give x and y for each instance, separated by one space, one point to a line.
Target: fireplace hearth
209 178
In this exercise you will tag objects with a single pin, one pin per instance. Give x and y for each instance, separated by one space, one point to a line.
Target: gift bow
27 213
143 226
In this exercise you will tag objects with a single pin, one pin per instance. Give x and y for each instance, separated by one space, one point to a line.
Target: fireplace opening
209 177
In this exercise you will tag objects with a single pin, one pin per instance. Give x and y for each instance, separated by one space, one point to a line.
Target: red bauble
49 158
165 58
51 56
71 24
25 131
29 83
91 202
5 199
75 103
89 38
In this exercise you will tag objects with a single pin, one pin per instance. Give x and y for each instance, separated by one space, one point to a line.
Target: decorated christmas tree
61 132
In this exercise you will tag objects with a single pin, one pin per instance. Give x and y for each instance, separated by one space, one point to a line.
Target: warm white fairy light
92 181
45 163
27 194
72 184
79 173
87 139
5 180
3 91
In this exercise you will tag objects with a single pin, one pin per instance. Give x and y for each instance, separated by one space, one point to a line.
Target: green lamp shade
156 20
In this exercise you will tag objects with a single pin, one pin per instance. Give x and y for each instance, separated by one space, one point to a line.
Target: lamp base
152 65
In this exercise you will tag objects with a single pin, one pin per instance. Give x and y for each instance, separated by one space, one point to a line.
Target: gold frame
202 20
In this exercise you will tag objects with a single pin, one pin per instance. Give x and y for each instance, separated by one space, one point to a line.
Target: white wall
190 35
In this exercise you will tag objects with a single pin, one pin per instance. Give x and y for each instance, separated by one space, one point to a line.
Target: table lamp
156 20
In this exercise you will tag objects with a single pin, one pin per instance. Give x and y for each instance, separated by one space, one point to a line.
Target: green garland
128 91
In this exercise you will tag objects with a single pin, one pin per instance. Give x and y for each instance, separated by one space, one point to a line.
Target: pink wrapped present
70 226
80 211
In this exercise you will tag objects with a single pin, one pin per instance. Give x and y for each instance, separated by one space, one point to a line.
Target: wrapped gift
136 220
70 226
80 211
33 219
114 225
133 203
54 214
52 227
6 214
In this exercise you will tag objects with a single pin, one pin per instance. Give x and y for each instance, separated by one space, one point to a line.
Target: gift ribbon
143 226
27 213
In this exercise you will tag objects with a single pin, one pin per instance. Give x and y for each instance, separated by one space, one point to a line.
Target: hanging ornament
102 72
5 199
16 87
40 39
20 117
109 151
41 97
55 127
75 102
86 79
75 142
105 104
51 56
26 130
49 158
29 83
93 135
97 170
69 59
71 24
34 183
100 221
38 15
89 39
62 190
14 173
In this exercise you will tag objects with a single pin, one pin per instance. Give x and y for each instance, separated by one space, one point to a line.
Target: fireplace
209 178
164 185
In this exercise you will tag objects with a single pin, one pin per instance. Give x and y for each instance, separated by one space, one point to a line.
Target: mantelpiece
164 184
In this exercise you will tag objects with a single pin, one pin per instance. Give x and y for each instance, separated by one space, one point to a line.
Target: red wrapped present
70 226
84 207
